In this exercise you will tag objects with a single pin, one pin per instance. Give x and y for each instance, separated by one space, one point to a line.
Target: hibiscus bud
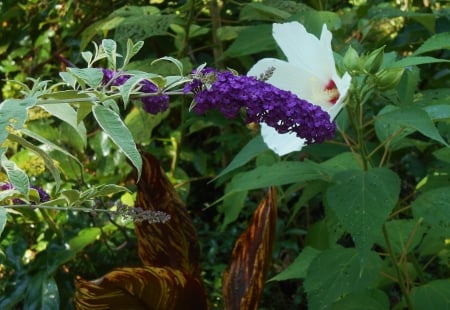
374 60
388 79
351 59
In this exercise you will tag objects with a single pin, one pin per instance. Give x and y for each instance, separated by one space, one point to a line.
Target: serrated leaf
371 299
436 42
174 243
335 273
243 281
66 113
14 112
362 201
3 218
16 176
116 130
147 287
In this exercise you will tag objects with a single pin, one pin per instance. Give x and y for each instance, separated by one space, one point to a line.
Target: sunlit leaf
174 243
243 281
16 176
13 112
142 288
3 218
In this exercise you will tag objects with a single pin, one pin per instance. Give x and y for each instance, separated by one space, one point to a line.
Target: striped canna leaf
170 275
243 281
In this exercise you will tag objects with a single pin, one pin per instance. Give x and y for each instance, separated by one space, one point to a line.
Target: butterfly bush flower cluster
151 104
262 103
137 214
43 195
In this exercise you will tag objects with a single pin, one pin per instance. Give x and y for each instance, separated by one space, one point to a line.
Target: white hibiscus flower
309 72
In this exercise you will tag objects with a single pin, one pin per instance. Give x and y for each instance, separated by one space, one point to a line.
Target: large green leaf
433 295
42 293
337 272
362 201
116 130
251 40
414 61
371 299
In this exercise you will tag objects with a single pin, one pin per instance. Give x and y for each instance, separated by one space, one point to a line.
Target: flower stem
400 278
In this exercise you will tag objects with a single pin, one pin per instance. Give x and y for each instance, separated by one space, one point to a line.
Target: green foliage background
347 236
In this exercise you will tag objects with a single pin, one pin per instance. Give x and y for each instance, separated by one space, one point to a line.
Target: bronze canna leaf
243 281
174 243
142 288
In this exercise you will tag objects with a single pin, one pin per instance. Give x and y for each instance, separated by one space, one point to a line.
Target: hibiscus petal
281 144
286 76
305 50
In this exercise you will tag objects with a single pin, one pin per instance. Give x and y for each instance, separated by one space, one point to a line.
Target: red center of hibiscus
332 92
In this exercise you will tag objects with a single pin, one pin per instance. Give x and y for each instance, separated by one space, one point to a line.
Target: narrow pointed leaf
3 218
13 112
118 133
16 176
173 243
142 288
243 281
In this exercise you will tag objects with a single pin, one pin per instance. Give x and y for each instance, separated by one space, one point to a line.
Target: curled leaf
243 281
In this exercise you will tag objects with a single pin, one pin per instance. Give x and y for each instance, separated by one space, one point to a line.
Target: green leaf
337 272
3 219
362 201
252 40
102 190
299 267
247 153
436 42
141 124
13 113
66 113
16 176
110 48
434 207
231 207
260 11
175 61
371 299
404 235
414 61
44 155
410 117
128 87
90 76
118 133
433 295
